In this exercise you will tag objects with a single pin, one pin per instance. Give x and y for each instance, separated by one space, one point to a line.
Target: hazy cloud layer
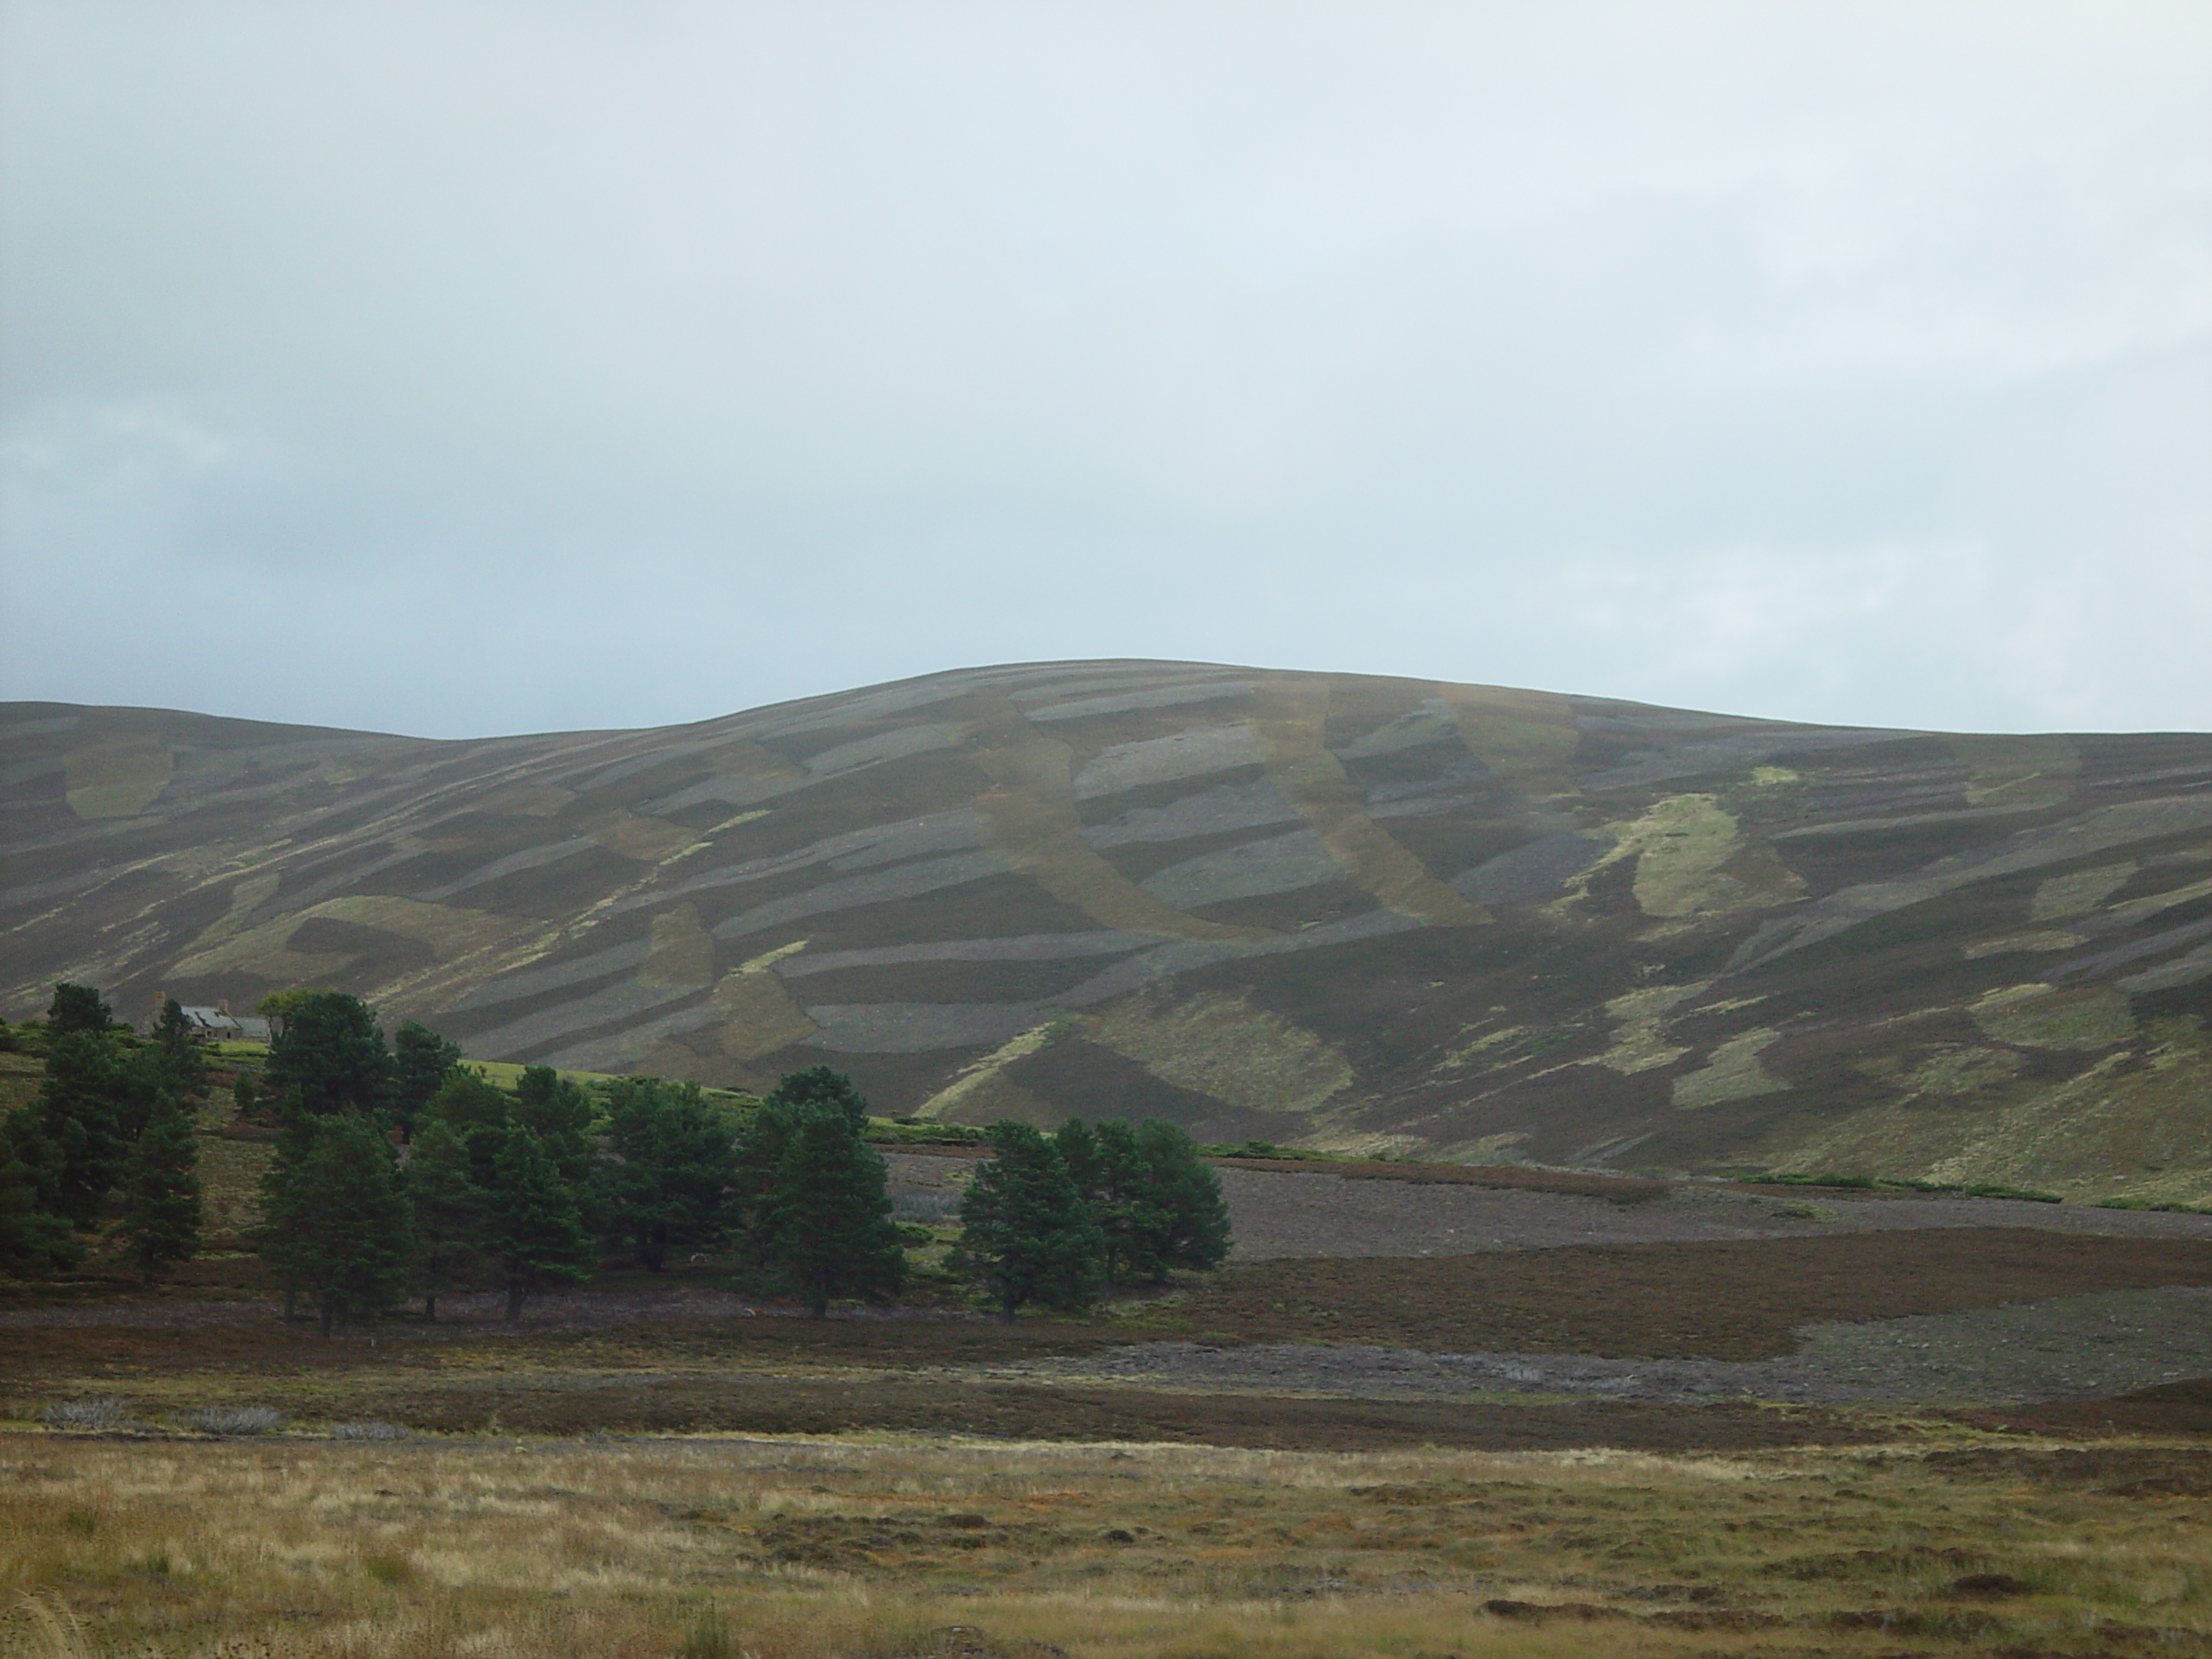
470 367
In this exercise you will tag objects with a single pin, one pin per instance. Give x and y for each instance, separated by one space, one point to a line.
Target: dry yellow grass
804 1548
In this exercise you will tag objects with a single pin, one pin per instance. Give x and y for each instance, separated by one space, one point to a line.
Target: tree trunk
430 1307
329 1317
516 1290
291 1303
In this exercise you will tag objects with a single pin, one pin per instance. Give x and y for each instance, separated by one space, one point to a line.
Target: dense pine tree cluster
1060 1220
107 1146
399 1172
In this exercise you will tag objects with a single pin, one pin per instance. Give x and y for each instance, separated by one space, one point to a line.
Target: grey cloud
504 367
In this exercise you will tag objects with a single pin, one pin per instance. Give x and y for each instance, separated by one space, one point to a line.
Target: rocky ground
2076 1347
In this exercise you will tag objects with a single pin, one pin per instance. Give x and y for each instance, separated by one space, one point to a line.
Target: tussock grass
876 1547
96 1412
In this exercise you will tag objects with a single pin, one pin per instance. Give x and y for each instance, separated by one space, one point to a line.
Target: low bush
924 1206
99 1412
917 1132
235 1419
370 1431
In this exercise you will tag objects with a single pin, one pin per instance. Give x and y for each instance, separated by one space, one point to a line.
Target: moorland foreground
1617 1417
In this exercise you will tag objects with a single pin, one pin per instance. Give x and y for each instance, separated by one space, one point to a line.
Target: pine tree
668 1186
478 1112
831 1215
1027 1228
559 1114
330 1058
177 1055
161 1192
818 1086
78 1010
280 1238
531 1221
349 1240
422 1061
32 1240
448 1207
1185 1191
1157 1203
74 1138
762 1143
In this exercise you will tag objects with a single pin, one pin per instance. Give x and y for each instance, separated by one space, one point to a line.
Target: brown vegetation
794 1549
1732 1300
1620 1189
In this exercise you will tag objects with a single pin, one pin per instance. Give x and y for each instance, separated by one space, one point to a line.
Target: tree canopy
1025 1227
78 1010
668 1182
831 1229
330 1057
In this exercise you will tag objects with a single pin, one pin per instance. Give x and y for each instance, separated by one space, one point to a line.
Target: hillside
1329 910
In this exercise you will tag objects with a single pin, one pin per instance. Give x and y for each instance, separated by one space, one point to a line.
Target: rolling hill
1334 911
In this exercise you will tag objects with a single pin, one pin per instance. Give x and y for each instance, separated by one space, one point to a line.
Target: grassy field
794 1547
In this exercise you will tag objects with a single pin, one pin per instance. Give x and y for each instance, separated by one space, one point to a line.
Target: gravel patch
2069 1348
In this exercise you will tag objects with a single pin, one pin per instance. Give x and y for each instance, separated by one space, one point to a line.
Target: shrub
1996 1190
99 1412
924 1206
370 1431
236 1420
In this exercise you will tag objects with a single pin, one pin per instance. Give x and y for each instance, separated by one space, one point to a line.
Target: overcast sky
466 367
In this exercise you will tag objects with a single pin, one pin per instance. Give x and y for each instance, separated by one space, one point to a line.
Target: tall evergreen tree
669 1183
559 1114
176 1054
330 1058
78 1010
1157 1203
32 1242
346 1218
280 1238
1103 1165
762 1143
422 1060
161 1192
1027 1228
832 1230
819 1085
1193 1229
478 1113
532 1223
76 1132
448 1209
